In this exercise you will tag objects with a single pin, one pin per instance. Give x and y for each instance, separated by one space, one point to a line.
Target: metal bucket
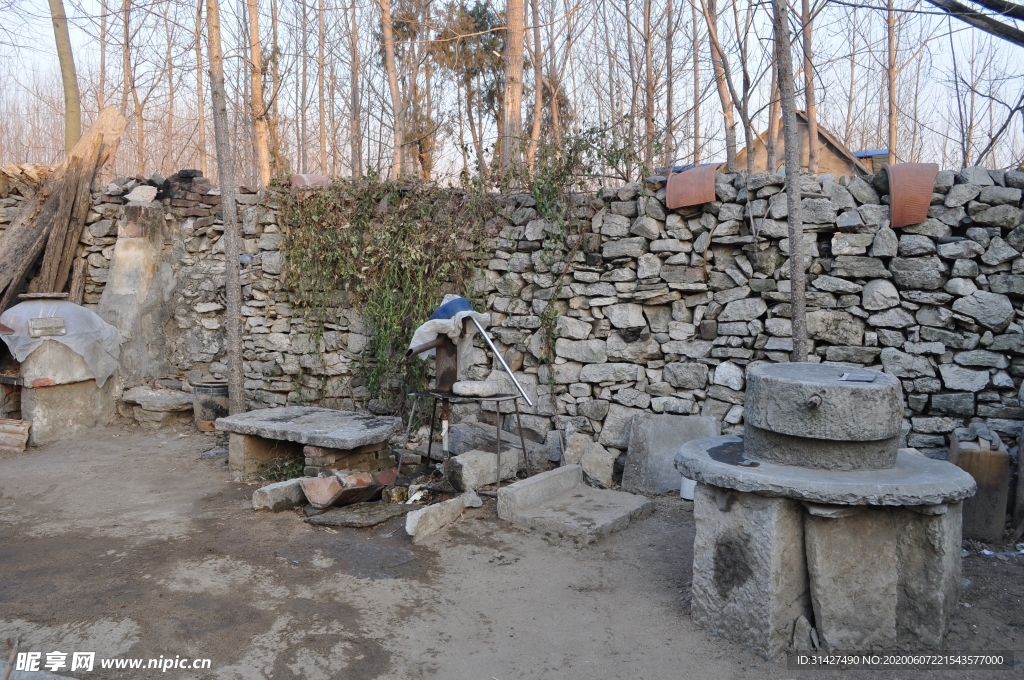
209 402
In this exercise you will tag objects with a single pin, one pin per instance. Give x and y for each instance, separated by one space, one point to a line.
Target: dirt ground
130 544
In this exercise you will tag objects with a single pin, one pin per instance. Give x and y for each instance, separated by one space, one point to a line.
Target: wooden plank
76 292
56 231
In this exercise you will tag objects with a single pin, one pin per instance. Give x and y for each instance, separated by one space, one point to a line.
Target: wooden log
76 292
54 204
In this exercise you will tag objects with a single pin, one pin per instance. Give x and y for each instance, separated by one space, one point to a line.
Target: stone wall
660 310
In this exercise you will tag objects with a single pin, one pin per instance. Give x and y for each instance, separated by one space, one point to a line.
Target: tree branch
980 21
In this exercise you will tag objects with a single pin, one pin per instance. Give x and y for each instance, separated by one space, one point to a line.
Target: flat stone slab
312 425
362 514
653 443
914 480
159 399
585 513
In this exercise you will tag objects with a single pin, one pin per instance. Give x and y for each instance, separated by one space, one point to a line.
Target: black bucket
209 402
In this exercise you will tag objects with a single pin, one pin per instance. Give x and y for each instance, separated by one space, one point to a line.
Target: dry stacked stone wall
658 310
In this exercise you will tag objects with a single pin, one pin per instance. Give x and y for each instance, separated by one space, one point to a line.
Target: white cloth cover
98 342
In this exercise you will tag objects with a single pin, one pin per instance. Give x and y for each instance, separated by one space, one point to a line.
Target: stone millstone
778 395
821 454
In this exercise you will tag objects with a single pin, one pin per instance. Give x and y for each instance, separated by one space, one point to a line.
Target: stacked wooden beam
13 435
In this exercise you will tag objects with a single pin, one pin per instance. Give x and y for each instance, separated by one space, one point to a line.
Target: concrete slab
653 442
914 480
310 425
558 502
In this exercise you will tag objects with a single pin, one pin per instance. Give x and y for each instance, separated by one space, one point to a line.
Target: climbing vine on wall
394 249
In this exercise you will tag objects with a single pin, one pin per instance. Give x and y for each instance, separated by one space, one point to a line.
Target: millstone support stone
854 607
822 454
928 548
809 400
749 577
914 480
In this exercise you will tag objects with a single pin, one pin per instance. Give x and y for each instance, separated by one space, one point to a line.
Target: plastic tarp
447 320
94 339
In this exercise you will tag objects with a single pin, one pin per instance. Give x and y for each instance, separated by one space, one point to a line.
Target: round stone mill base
870 558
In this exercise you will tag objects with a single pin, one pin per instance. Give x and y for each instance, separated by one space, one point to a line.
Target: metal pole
501 359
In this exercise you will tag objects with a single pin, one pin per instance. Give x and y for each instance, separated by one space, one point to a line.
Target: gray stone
573 329
686 376
862 191
749 575
856 267
427 521
999 251
558 503
576 446
982 358
822 454
646 227
874 214
879 294
729 375
1000 195
743 310
961 194
833 284
817 211
142 193
935 316
631 397
953 404
474 469
853 355
595 409
362 515
965 249
648 266
835 326
974 175
158 399
1003 216
584 351
598 464
672 405
905 365
914 480
854 607
625 315
616 429
965 268
918 272
1016 238
936 228
960 287
626 247
615 226
958 378
991 310
310 425
849 220
885 243
609 372
897 317
778 395
638 352
278 496
912 245
1012 284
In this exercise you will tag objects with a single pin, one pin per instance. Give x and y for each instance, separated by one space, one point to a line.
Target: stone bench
337 439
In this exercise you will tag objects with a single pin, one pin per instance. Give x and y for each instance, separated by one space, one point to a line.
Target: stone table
328 438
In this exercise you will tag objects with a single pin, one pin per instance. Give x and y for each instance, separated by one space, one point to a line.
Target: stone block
749 575
598 464
854 606
474 469
654 440
54 363
429 520
279 496
58 411
615 432
928 550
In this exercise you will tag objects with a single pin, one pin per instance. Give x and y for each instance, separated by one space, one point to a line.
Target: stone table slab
312 425
915 479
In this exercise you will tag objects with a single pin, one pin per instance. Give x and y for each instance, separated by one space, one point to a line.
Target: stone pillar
928 545
138 291
749 575
854 570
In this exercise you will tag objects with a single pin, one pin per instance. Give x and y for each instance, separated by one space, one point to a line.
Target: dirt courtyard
131 544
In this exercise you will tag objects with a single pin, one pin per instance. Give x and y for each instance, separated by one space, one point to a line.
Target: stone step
558 502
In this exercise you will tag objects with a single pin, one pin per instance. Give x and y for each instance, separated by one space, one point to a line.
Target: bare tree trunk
232 240
511 115
784 59
101 90
304 86
396 102
718 64
812 108
696 83
890 77
357 136
648 89
126 62
851 97
320 79
771 144
278 163
68 77
200 91
538 87
257 104
670 142
169 146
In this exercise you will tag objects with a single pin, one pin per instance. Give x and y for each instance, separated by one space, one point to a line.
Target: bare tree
356 132
511 114
812 106
232 239
396 101
200 93
68 76
258 105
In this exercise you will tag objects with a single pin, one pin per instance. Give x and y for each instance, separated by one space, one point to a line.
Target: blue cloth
451 308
